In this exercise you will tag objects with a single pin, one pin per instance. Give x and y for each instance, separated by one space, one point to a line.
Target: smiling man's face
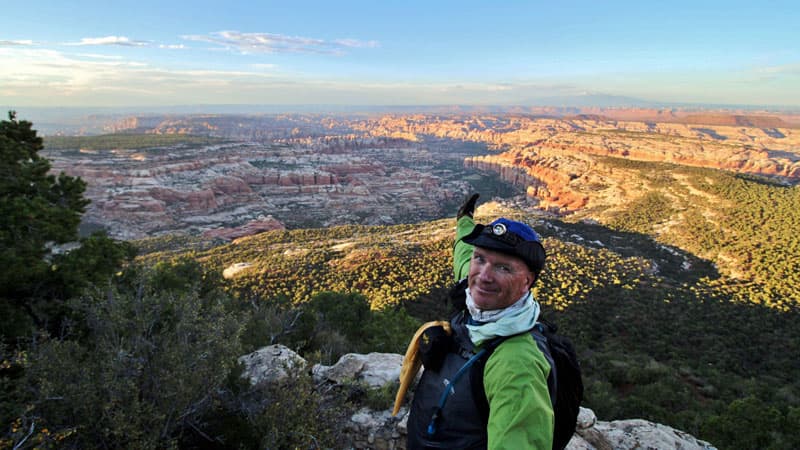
497 280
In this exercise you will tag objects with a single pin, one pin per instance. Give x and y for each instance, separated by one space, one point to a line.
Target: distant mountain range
65 120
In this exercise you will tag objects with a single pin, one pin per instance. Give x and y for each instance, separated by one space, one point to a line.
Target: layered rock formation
306 170
560 161
231 190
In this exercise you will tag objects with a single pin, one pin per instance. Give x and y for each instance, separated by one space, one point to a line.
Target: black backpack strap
458 296
569 392
478 391
449 388
541 333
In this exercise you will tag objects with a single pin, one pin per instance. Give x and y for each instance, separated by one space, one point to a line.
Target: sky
383 52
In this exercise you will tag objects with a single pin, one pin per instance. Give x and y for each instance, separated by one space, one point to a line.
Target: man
502 261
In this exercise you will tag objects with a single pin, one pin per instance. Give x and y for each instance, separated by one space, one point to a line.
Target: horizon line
643 105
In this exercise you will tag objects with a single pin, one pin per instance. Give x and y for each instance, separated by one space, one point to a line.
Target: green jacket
520 412
515 378
462 252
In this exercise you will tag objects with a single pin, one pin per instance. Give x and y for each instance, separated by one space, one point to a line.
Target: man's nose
485 273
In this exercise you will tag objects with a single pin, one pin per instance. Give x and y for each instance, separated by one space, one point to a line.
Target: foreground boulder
374 369
637 433
379 430
269 364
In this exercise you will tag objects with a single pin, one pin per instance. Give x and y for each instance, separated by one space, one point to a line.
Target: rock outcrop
374 369
269 364
259 225
379 430
234 269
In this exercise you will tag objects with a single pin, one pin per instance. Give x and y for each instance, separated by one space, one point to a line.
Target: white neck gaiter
493 315
517 318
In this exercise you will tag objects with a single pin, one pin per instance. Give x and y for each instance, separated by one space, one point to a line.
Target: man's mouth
485 291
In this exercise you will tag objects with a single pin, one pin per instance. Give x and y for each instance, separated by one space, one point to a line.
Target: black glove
434 344
468 208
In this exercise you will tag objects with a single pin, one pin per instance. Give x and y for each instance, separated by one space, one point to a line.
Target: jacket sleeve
462 252
520 412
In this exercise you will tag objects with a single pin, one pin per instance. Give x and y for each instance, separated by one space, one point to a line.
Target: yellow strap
412 362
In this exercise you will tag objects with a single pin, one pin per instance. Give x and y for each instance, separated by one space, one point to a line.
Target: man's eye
505 269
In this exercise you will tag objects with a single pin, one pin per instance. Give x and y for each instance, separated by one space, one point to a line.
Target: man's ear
532 277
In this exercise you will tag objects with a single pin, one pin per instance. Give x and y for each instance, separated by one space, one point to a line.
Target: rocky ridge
379 430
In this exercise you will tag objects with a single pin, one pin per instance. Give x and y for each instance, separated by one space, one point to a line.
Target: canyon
306 170
563 162
238 188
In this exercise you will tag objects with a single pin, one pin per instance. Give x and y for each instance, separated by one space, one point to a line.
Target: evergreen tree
38 211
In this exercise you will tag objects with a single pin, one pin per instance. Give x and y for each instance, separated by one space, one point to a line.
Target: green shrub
272 322
382 398
288 414
746 424
330 325
143 371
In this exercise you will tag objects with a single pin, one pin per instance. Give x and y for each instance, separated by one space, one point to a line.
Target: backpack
565 382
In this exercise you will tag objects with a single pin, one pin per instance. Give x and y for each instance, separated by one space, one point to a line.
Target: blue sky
157 53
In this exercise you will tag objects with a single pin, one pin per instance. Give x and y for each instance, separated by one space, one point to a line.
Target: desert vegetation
664 324
128 141
682 312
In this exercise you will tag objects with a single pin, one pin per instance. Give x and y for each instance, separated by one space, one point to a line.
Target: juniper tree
37 211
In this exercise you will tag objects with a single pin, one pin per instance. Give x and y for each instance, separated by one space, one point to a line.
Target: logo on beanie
499 229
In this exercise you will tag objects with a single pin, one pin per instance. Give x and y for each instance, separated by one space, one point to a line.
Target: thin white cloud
110 40
52 76
48 77
768 74
14 43
172 46
34 76
60 69
354 43
498 87
788 69
278 43
99 56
